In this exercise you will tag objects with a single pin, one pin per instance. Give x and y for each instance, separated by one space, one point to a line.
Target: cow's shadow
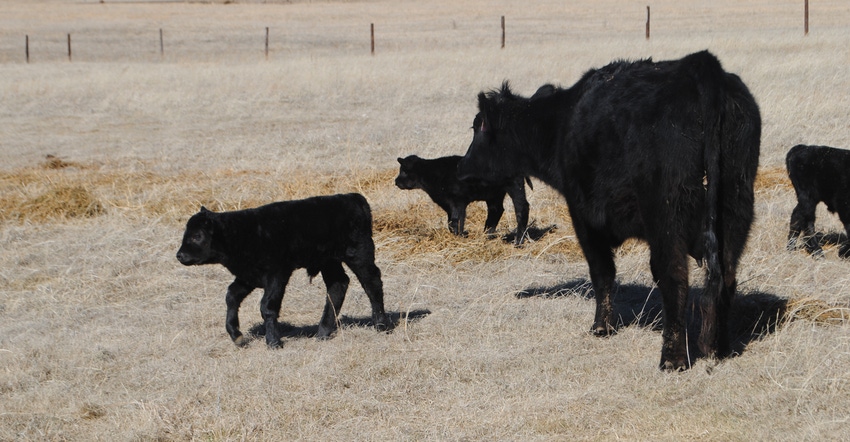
752 316
288 330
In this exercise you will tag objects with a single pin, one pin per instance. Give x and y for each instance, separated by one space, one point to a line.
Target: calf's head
495 151
408 177
197 240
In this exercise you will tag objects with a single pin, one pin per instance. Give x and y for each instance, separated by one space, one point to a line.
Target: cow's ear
400 160
204 209
489 112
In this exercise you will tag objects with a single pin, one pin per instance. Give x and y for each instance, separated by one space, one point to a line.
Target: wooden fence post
372 32
161 45
27 47
69 47
647 22
503 32
806 19
267 42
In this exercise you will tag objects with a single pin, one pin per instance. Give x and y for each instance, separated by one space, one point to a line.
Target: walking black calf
438 178
819 174
261 247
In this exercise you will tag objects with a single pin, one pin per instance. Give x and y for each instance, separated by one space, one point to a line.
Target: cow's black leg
803 224
236 293
517 194
270 306
669 259
336 282
495 209
600 262
369 275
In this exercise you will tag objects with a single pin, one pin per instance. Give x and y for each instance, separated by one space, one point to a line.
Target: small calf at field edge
438 178
262 246
819 174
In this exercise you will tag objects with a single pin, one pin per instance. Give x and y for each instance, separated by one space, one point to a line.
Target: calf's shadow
752 316
288 330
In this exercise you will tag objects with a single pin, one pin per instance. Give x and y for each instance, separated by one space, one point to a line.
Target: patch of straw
817 311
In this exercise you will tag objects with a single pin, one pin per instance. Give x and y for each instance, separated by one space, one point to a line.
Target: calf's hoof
272 342
384 325
324 333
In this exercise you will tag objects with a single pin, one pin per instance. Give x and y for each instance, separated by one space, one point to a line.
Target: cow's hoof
818 254
241 341
675 365
844 251
603 331
273 343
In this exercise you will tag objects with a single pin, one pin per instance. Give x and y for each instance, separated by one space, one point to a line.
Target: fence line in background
372 35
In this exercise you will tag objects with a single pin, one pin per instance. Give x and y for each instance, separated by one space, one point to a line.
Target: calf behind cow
261 247
666 152
438 178
819 174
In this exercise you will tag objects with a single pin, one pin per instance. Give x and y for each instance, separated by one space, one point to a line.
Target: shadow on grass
532 232
753 315
288 330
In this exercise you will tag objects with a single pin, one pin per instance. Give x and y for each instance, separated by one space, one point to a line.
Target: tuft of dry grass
817 311
772 178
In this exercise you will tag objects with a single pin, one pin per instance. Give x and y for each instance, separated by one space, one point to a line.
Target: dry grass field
105 336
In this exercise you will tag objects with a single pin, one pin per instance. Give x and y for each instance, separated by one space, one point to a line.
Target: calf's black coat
662 151
261 247
819 174
438 178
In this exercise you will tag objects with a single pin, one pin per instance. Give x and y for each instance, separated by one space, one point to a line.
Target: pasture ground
104 336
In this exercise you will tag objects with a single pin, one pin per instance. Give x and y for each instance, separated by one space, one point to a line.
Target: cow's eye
197 237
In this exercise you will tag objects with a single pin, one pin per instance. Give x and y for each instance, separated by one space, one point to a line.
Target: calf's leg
362 264
495 209
236 293
270 306
336 282
803 224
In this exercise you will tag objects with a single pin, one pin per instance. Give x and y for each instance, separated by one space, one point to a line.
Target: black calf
261 247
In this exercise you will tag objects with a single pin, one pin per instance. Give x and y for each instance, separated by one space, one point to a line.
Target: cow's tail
710 82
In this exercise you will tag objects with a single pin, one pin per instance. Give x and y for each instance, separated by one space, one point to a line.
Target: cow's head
495 152
407 177
197 247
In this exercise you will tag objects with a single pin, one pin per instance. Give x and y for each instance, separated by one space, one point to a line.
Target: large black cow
263 246
819 174
666 152
438 178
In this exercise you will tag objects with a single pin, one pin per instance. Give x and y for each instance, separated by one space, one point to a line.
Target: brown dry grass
104 336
